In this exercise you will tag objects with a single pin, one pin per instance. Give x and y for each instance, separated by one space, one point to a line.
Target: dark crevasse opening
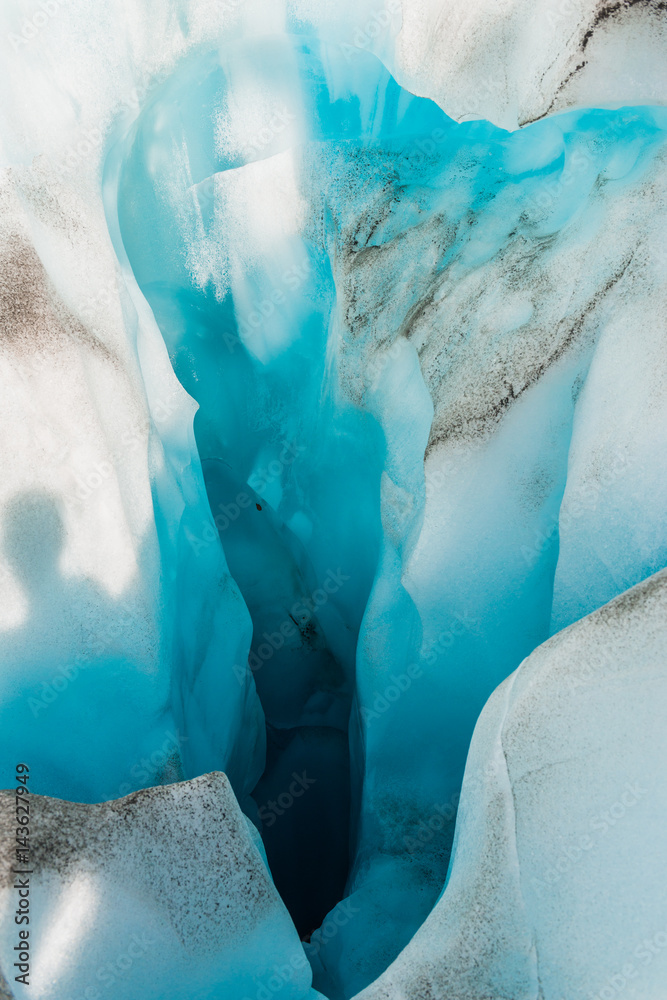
302 661
302 546
305 586
346 280
292 469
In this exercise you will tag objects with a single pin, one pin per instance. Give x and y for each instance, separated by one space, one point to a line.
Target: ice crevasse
334 430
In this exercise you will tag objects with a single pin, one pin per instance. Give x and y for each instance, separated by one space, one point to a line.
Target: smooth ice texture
421 287
514 61
158 896
115 638
559 845
430 370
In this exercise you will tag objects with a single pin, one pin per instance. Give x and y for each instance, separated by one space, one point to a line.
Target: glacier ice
494 405
543 898
323 412
522 60
162 894
90 627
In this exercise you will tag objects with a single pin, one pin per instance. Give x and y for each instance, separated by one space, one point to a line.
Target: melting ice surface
421 353
345 280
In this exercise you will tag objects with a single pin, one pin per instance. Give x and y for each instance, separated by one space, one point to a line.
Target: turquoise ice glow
302 352
398 331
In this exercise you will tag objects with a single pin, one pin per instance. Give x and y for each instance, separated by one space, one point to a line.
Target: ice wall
516 61
126 899
353 259
506 329
429 365
100 611
552 887
90 536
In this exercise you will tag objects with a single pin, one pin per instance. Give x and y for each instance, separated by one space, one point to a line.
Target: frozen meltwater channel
428 364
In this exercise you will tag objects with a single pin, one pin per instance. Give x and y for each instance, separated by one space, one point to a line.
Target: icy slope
163 894
471 279
473 266
552 891
515 61
429 361
97 480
